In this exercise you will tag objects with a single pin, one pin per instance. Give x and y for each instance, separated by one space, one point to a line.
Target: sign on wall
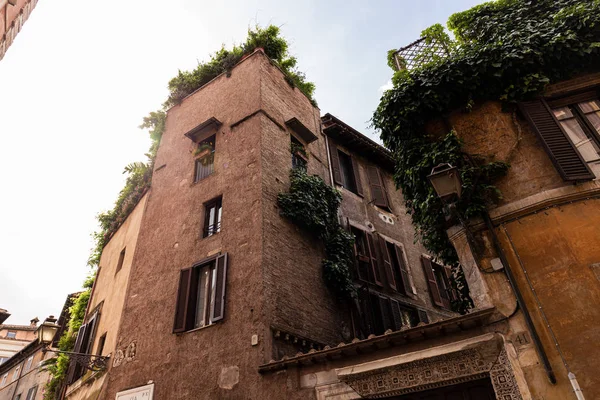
139 393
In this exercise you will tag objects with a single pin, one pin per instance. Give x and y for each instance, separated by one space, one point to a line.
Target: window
380 313
11 335
345 169
2 359
28 364
395 267
566 129
367 266
377 187
83 344
439 280
31 393
4 379
298 150
581 123
101 342
201 296
212 217
16 373
121 259
205 158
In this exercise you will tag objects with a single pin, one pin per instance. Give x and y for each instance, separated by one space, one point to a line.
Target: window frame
209 229
368 243
349 181
31 393
186 305
13 333
199 160
4 379
28 364
299 160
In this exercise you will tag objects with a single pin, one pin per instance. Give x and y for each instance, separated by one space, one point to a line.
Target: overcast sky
80 76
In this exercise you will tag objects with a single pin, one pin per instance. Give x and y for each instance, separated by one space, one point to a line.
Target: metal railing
204 166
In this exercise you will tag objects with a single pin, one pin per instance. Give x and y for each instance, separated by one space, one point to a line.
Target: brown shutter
181 309
218 309
366 317
433 286
451 291
403 271
74 370
357 181
396 314
423 316
559 147
387 263
335 162
375 304
372 241
378 196
88 340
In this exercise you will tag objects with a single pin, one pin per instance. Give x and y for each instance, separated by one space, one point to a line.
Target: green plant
297 148
313 205
506 50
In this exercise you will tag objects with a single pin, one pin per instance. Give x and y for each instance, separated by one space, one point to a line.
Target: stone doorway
480 389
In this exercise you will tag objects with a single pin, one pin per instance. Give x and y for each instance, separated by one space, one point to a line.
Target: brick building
224 298
13 14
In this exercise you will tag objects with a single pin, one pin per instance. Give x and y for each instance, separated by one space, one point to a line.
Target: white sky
80 76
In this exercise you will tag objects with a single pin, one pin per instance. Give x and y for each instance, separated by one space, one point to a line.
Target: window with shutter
75 369
431 281
386 313
378 193
201 295
564 155
213 210
31 393
396 314
423 316
386 261
335 162
372 243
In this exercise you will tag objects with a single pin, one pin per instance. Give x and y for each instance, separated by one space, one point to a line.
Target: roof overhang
305 134
204 130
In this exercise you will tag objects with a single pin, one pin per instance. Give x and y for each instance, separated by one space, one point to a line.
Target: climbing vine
313 205
506 50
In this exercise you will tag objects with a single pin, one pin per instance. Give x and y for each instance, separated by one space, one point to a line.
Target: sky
81 75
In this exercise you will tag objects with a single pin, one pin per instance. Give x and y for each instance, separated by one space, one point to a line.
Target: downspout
511 279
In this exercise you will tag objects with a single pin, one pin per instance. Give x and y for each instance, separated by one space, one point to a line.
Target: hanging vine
506 50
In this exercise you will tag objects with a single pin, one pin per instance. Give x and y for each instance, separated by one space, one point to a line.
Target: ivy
506 50
224 60
313 205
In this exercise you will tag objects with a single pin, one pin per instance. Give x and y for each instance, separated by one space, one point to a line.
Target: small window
367 267
28 364
212 217
121 259
201 297
205 158
4 377
101 342
16 373
399 271
2 359
299 156
348 173
11 335
31 393
439 279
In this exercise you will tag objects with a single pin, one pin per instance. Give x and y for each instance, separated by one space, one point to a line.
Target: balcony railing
420 52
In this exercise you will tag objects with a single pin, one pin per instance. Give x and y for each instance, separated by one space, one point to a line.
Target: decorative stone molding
481 360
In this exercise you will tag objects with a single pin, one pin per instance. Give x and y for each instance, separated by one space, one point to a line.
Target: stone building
13 14
219 296
14 337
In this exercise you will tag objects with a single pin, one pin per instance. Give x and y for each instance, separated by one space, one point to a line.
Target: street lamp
445 180
46 332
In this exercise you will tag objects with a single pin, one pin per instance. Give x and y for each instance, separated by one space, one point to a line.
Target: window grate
205 166
420 52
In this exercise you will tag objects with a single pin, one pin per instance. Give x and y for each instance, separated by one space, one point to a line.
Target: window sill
196 329
194 183
350 192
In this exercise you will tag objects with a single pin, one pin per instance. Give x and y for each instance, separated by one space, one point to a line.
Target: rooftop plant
506 50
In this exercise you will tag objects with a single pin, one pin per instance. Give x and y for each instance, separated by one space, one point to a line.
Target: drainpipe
511 279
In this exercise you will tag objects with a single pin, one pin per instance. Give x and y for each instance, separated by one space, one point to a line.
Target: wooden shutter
423 316
374 302
432 283
386 262
371 242
452 294
218 309
74 370
357 181
88 340
386 313
366 313
181 308
396 314
335 162
565 157
378 196
403 271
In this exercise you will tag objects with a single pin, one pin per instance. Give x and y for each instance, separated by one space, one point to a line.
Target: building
13 14
213 294
13 338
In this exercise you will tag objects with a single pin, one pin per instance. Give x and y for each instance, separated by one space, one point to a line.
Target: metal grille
205 166
420 52
212 229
